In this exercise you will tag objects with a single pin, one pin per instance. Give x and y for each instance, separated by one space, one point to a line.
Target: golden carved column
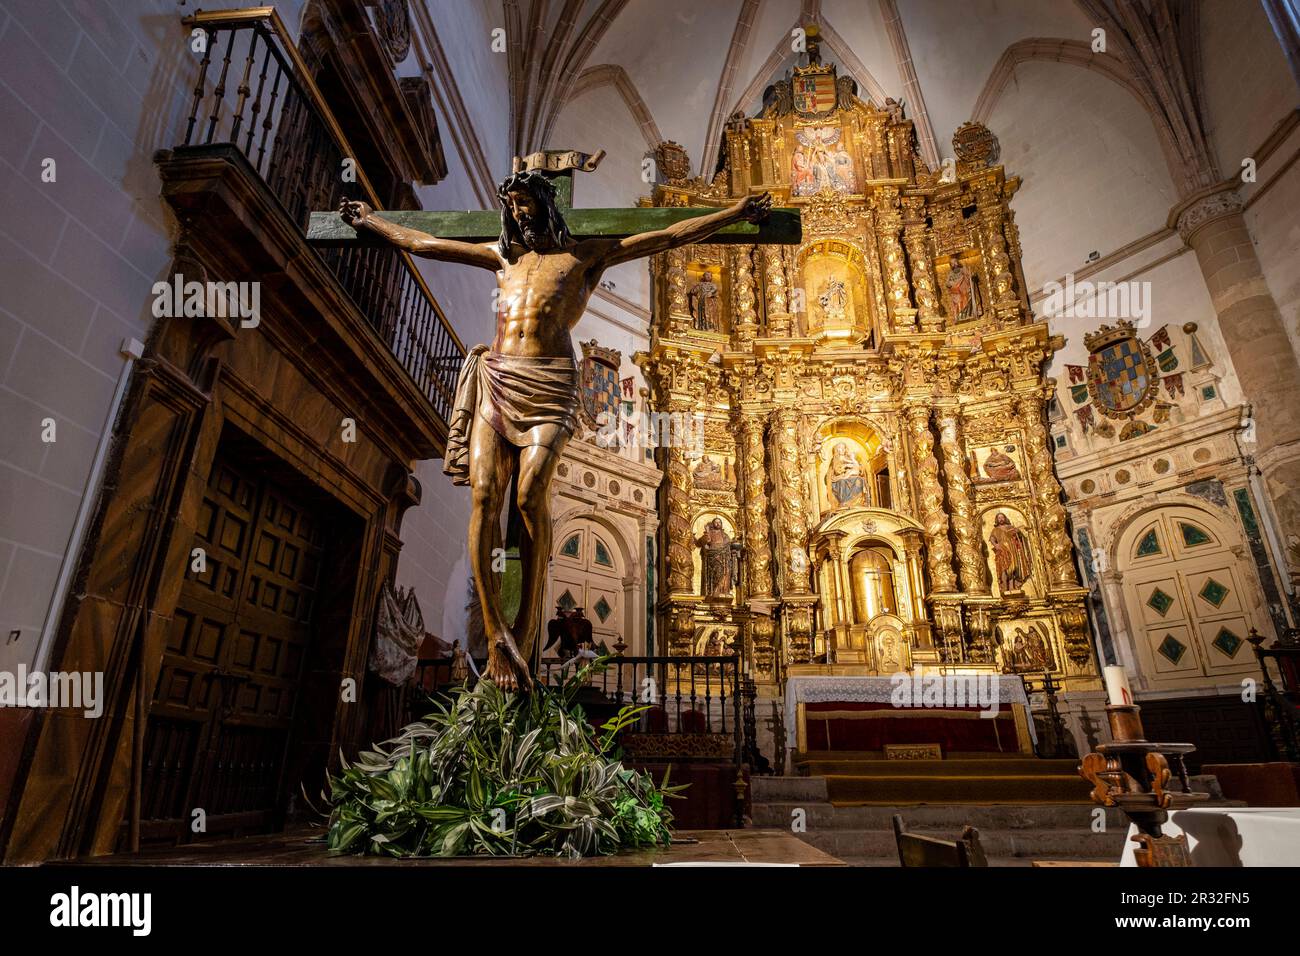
678 555
889 224
674 268
1047 492
753 503
744 316
916 238
970 559
916 586
779 320
791 496
930 503
997 265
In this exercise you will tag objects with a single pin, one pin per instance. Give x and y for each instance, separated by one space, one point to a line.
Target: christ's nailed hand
354 212
756 208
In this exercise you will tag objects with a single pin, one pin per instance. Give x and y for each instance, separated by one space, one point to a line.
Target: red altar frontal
938 715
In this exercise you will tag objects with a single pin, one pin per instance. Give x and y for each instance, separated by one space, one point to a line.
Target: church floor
301 847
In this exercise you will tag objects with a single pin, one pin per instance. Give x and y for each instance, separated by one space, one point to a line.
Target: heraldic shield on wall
600 389
1122 374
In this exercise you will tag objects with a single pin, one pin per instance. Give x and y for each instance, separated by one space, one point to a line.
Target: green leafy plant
497 774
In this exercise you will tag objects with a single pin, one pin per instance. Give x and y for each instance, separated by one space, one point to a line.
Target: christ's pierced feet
506 667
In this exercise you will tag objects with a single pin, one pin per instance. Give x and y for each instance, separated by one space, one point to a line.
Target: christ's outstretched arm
750 209
360 216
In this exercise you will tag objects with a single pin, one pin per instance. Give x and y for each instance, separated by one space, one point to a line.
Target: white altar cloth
880 690
1233 836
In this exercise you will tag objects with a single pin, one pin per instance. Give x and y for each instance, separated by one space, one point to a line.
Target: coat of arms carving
1122 373
600 386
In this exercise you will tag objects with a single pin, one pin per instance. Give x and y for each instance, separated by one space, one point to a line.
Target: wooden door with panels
219 726
1190 599
587 572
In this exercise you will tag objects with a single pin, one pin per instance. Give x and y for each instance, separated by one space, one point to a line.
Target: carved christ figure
517 400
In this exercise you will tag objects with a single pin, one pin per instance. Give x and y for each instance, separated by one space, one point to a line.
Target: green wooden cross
782 227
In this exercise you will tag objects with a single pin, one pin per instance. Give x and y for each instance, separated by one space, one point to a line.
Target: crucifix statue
517 400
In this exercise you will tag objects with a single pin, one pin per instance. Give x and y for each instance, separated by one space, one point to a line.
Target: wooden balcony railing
254 91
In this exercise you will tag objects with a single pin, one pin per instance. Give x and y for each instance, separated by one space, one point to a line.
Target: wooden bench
916 850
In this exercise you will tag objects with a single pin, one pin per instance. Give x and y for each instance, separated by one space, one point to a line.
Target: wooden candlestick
1125 723
1132 773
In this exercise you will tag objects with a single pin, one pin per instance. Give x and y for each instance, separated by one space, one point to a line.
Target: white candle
1117 690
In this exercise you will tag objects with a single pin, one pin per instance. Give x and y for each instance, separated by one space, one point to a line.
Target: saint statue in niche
961 292
844 478
834 300
1000 466
704 304
716 563
1010 554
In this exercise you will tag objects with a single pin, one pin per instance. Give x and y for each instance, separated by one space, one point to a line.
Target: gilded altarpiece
875 396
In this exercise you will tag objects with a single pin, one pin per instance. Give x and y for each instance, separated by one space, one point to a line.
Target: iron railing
1281 704
254 92
684 694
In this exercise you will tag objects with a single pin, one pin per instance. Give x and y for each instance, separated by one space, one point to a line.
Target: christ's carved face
528 214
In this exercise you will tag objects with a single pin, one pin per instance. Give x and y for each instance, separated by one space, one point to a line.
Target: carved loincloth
526 400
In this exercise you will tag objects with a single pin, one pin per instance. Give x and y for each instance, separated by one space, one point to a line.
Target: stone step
788 788
1052 844
998 767
960 788
925 817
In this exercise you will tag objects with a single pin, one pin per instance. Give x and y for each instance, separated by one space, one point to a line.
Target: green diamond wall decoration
1172 648
1149 544
602 609
1227 642
1214 592
566 601
1160 602
1192 535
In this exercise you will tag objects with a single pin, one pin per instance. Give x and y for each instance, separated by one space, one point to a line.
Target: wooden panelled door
222 712
587 572
1190 597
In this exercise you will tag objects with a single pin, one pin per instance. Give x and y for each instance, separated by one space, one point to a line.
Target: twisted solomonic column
792 495
970 558
1046 492
930 499
754 504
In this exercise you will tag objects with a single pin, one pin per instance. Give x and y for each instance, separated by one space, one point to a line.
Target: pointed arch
1075 53
611 74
